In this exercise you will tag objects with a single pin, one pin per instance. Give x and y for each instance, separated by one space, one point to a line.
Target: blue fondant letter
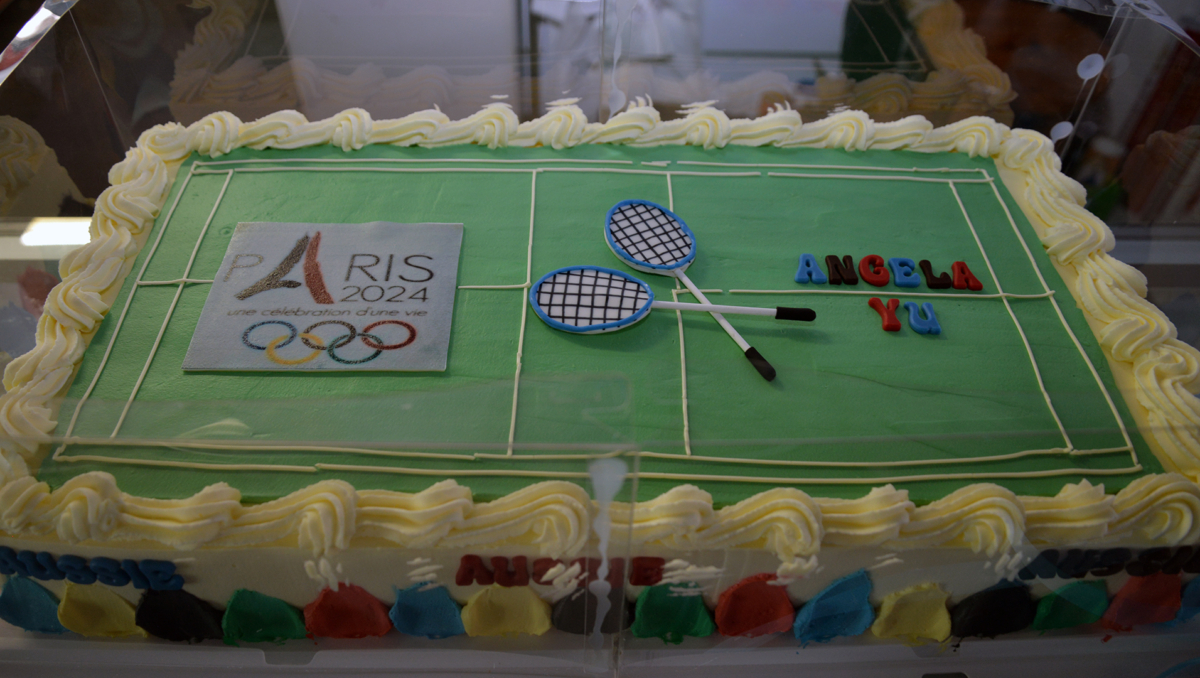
76 569
928 324
161 575
108 571
809 271
9 565
40 565
904 272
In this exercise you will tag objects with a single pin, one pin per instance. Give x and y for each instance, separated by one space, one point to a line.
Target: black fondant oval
577 613
1005 608
178 615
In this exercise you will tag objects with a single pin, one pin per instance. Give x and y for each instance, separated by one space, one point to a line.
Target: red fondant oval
1144 600
349 612
754 607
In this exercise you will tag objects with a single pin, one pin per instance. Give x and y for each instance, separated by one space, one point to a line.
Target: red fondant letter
519 575
964 279
646 571
888 313
471 570
616 572
540 567
872 270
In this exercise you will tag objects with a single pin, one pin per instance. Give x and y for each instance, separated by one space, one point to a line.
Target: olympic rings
304 336
346 339
343 323
246 334
412 335
318 346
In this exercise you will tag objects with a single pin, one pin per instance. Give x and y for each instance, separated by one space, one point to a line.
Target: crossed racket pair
651 239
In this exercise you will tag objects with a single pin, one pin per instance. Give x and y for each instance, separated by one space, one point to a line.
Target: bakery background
1116 89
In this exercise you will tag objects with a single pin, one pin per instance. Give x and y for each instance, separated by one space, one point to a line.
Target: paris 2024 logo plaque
376 296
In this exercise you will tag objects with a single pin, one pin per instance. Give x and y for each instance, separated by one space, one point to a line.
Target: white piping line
187 464
481 170
452 472
569 457
939 170
171 310
1021 331
512 424
892 293
1055 452
687 435
178 281
670 195
891 479
870 178
1071 333
644 474
424 170
520 286
124 311
211 163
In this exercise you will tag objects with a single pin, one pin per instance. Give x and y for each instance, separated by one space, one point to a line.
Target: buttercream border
1159 509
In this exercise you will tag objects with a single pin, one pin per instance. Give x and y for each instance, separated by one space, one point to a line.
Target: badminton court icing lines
1047 294
523 286
171 309
1020 330
1003 296
512 425
1071 333
124 312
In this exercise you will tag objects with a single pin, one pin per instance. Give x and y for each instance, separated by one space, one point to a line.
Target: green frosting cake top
1014 389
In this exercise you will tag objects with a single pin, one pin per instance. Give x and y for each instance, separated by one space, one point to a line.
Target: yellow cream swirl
411 130
851 130
320 518
413 520
1160 510
984 517
973 136
670 519
1078 514
782 520
624 127
777 125
867 521
491 127
554 517
561 127
703 126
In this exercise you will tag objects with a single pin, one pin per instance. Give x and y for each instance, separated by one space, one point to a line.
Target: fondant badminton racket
653 239
591 299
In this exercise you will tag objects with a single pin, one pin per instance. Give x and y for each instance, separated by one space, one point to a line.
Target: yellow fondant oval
915 614
96 611
506 611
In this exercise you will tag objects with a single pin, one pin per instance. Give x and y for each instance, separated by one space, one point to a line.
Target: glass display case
530 97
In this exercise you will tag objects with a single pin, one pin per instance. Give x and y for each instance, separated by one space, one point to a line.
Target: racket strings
584 297
649 235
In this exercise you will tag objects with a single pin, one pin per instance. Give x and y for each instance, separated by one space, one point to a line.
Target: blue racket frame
638 315
635 263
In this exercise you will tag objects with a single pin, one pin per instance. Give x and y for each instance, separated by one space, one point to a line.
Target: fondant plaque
376 296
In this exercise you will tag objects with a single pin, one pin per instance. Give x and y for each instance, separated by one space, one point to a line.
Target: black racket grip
760 363
789 313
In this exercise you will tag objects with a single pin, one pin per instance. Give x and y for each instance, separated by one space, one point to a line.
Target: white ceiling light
51 231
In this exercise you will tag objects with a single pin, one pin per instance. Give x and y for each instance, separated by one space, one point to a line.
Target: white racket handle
781 312
733 334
